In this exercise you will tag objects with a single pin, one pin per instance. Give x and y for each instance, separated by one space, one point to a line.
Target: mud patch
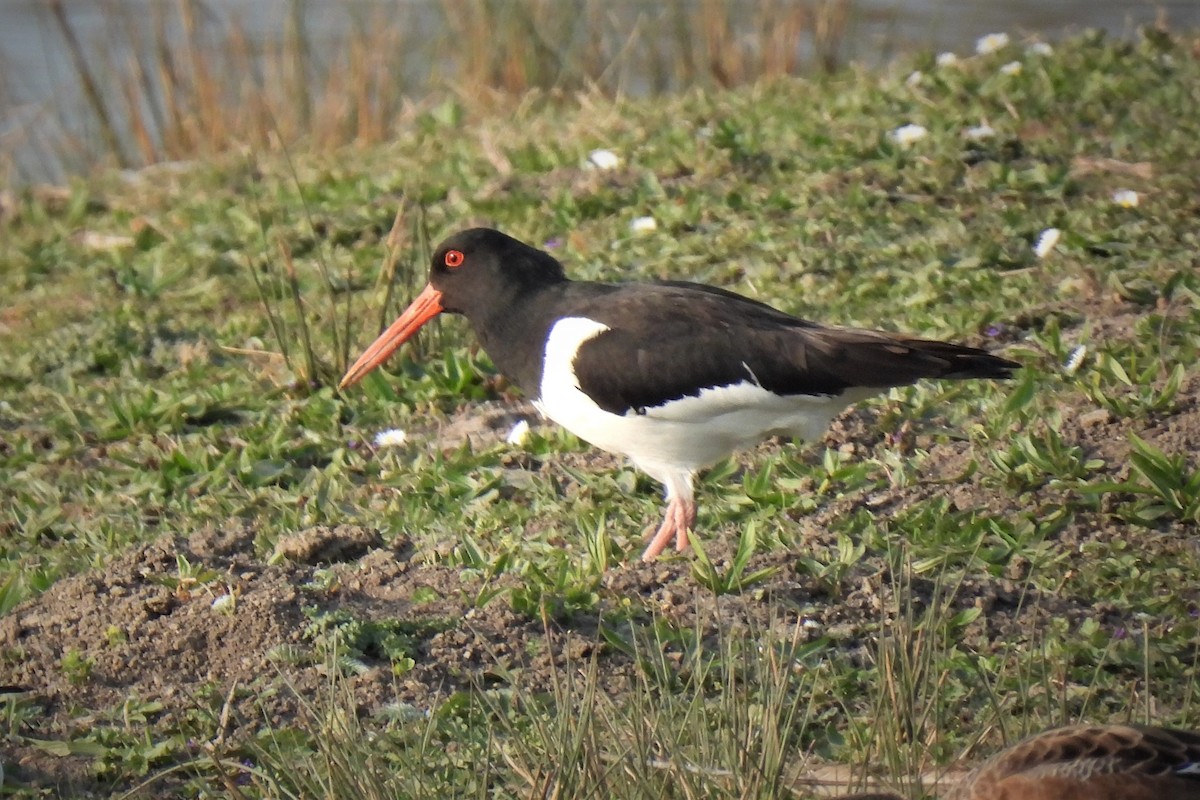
323 544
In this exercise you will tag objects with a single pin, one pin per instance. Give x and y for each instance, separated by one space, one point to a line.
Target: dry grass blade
274 316
310 358
387 275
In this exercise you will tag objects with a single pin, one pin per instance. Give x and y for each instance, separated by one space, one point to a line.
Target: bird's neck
514 334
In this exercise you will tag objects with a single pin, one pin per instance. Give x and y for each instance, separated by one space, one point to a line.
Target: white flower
980 132
1075 359
946 59
991 43
1125 198
1011 68
914 79
1046 242
519 434
643 225
906 135
225 604
1039 49
603 159
393 437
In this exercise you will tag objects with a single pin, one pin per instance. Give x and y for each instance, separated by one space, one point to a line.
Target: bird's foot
678 519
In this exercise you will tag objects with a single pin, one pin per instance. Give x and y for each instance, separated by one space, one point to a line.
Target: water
40 98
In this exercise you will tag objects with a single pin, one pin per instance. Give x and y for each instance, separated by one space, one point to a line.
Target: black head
480 271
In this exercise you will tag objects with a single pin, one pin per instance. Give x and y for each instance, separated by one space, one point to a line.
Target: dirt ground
166 642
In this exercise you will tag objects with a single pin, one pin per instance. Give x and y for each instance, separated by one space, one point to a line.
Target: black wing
671 340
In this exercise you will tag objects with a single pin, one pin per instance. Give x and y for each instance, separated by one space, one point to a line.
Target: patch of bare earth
148 634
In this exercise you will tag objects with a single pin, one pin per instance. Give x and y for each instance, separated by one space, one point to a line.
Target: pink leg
678 519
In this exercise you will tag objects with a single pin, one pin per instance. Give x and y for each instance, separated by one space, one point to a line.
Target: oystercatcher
1087 762
674 375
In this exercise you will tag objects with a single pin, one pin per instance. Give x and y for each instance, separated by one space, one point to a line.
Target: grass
970 563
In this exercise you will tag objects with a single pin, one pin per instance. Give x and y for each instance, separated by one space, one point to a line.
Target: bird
673 375
1086 762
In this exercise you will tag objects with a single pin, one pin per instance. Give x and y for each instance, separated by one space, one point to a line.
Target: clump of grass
315 339
724 721
1167 483
335 753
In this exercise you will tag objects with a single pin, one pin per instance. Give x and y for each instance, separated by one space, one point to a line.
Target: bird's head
477 273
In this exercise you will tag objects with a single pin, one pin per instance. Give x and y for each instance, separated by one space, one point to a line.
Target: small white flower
1011 68
519 434
991 43
1039 49
393 437
913 79
1046 242
946 59
1126 198
225 604
980 132
643 225
906 135
603 159
1075 359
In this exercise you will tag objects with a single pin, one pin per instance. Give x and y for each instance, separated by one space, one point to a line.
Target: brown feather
1086 762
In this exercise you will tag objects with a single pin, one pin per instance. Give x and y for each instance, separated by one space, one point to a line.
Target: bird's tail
969 362
857 357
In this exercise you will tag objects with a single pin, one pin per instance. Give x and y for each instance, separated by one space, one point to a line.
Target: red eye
454 258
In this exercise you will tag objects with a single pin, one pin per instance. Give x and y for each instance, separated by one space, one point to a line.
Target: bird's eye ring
454 258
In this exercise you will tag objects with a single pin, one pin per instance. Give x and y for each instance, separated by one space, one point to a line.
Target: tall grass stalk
185 83
913 664
406 258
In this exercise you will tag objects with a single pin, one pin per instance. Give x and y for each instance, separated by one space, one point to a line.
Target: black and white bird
673 375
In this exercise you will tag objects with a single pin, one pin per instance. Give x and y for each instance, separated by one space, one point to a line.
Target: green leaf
1023 394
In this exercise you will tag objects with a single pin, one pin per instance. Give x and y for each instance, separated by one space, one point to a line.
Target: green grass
144 393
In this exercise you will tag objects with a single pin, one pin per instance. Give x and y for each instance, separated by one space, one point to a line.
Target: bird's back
669 340
1100 762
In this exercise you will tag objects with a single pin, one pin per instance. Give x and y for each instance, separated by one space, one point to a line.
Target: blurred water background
129 82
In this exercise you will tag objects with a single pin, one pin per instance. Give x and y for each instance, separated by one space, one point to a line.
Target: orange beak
426 306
